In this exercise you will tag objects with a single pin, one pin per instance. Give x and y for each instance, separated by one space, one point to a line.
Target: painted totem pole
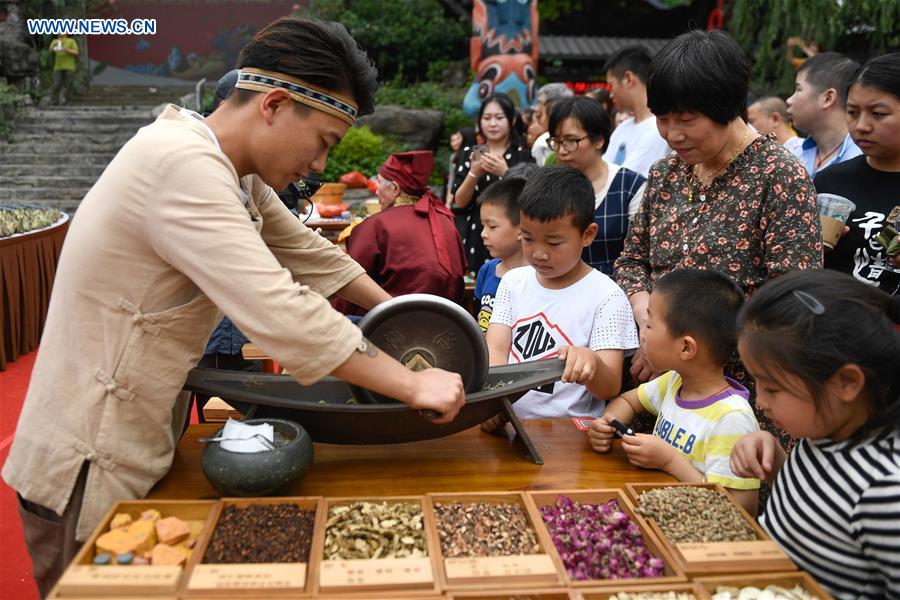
503 51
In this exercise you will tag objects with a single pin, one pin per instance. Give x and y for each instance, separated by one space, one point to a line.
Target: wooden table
466 462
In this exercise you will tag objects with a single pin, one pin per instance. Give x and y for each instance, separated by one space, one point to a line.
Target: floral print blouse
754 221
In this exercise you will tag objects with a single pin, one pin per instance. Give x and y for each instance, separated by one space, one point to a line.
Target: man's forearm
364 292
377 371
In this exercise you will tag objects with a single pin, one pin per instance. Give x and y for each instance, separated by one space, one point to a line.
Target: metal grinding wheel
423 331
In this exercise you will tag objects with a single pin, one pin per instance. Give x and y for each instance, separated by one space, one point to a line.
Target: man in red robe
412 245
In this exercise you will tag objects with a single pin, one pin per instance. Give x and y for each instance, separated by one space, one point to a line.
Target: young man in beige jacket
182 225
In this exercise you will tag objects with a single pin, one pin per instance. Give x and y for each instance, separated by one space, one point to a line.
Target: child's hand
648 451
581 364
494 423
601 433
755 455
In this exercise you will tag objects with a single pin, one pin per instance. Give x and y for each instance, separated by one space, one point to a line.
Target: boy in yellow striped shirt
689 336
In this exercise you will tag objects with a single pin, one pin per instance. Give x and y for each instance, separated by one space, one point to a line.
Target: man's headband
258 80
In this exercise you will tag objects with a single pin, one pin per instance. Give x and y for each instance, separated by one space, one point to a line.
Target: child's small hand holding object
648 451
601 433
581 364
757 454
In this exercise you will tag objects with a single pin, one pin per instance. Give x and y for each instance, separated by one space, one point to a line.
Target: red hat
409 170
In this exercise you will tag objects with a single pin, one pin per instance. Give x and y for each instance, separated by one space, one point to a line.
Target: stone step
114 116
88 110
64 112
76 142
50 181
91 126
16 194
15 154
15 170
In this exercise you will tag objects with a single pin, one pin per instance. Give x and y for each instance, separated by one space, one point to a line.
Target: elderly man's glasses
567 144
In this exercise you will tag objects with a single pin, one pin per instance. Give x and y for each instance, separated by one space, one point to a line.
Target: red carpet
15 565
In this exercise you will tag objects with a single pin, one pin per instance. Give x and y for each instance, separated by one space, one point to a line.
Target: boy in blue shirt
499 206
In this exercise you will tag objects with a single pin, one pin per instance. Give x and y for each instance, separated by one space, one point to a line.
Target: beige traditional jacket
165 239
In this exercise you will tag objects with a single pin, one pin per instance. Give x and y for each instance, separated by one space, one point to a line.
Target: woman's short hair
589 113
700 71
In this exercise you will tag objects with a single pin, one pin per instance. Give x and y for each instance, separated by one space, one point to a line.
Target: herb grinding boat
419 330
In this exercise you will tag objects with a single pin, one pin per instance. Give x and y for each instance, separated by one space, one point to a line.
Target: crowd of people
670 254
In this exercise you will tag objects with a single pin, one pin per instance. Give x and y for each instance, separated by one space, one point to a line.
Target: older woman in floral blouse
727 199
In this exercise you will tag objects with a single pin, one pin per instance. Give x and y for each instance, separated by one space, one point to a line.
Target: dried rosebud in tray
484 529
262 533
599 541
690 514
375 530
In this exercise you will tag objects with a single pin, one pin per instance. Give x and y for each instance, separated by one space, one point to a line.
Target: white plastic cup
834 211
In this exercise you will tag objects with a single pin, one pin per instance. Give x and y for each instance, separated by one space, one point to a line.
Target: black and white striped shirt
835 510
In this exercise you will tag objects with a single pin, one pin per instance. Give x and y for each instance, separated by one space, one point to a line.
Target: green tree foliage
403 37
551 10
359 150
859 28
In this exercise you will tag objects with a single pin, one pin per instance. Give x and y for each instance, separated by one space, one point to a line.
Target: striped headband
258 80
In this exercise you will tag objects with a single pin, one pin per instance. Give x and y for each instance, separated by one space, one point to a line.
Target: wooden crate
672 573
535 594
606 593
217 410
761 555
493 572
85 579
374 578
246 580
761 580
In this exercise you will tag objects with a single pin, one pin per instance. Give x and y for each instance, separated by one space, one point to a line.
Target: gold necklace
706 181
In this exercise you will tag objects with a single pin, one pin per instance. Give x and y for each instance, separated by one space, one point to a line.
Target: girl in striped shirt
826 359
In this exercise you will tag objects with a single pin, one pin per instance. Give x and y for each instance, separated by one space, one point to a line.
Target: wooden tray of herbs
257 545
139 549
800 584
375 546
705 530
491 540
623 550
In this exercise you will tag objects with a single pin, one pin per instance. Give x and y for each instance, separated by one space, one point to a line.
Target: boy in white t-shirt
559 306
691 332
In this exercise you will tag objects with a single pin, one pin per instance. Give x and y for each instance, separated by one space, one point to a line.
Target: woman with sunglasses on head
580 130
872 180
485 164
